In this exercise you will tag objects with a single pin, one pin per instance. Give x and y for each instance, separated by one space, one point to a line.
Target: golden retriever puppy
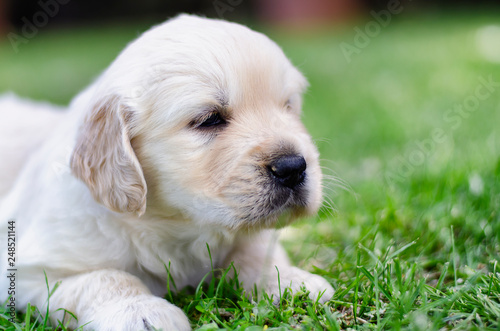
192 137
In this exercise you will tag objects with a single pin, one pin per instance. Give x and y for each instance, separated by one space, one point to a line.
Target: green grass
409 245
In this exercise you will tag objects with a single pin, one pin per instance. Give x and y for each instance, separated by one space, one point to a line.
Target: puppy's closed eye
293 104
212 121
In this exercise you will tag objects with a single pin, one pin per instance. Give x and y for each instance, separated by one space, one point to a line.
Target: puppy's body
191 138
23 128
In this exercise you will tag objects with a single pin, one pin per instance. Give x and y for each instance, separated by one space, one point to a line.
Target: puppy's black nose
289 170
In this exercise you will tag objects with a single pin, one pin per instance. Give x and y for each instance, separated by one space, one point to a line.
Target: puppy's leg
259 258
114 300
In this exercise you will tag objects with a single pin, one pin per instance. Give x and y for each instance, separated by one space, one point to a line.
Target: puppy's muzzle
289 170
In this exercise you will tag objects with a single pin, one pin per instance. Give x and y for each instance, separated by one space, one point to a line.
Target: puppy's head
204 115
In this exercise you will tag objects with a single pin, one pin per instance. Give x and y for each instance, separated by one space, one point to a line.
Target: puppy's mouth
288 182
283 190
269 208
285 197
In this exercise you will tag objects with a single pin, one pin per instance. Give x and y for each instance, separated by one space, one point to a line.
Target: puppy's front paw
145 312
294 278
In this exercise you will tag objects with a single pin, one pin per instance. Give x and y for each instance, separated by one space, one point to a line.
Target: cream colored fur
23 128
130 181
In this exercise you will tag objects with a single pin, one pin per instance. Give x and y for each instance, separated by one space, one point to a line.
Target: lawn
408 130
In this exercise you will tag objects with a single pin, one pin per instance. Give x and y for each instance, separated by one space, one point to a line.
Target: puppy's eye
214 120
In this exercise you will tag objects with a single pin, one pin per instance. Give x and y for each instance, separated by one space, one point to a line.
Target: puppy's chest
186 257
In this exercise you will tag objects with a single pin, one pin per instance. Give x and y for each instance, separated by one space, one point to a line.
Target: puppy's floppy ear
103 158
